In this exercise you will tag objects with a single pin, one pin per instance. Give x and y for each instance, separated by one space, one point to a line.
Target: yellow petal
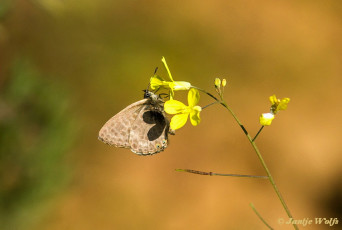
273 100
283 104
156 82
174 107
180 85
167 68
195 115
178 121
193 97
266 119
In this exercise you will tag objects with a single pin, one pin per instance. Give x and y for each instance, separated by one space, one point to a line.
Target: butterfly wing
149 132
117 130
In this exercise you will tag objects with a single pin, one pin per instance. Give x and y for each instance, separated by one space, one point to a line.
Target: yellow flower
182 112
157 82
266 118
278 104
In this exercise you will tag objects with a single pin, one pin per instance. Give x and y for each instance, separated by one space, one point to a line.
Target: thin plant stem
224 104
258 133
218 174
260 217
204 107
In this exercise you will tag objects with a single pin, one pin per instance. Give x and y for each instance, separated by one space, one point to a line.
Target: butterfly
142 126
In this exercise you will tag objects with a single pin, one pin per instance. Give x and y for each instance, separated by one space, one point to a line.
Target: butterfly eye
147 94
158 146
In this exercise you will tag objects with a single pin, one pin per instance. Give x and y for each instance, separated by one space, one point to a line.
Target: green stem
218 174
260 217
210 105
258 133
224 104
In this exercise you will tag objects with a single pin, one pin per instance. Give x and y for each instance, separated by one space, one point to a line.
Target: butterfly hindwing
141 126
152 136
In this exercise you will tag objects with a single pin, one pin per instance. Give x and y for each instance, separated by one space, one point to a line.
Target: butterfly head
150 95
147 93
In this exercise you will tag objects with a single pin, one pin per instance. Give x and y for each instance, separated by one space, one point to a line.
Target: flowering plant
182 112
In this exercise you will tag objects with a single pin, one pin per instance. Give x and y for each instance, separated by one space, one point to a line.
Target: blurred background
66 67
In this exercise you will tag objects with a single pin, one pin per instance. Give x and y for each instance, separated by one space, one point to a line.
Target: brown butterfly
142 126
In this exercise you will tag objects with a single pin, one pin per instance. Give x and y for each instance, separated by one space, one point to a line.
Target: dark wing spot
157 118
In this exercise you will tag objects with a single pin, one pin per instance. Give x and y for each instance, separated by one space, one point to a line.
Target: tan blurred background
66 67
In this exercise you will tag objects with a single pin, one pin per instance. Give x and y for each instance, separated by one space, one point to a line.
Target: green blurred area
36 132
68 66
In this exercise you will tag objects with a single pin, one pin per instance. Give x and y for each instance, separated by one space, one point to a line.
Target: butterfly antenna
155 71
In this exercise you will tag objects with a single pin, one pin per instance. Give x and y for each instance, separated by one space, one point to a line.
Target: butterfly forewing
116 131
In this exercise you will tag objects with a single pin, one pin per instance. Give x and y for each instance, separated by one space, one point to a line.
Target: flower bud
224 82
217 82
